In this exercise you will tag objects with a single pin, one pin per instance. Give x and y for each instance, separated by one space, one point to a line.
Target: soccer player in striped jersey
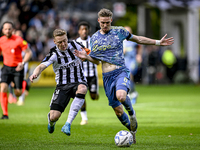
90 69
107 47
71 82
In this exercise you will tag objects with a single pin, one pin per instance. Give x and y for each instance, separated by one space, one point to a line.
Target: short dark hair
9 23
83 23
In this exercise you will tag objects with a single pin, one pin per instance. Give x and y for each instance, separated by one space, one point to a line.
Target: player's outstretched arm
147 41
37 72
83 56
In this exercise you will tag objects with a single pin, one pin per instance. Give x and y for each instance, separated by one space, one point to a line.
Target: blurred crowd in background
38 18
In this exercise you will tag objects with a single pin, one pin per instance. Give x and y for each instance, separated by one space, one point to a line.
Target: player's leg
4 100
11 97
5 81
75 107
18 80
24 86
122 116
122 86
94 95
133 93
84 118
53 116
59 101
23 95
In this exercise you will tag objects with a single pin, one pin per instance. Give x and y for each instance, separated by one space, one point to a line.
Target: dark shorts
117 79
93 84
62 96
9 74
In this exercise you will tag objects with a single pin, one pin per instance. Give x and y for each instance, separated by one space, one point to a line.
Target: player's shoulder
52 51
74 44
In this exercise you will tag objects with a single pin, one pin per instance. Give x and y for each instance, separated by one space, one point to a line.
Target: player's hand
32 77
166 42
81 54
19 67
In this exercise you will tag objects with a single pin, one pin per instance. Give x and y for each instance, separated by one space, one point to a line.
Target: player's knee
82 89
18 92
54 117
121 95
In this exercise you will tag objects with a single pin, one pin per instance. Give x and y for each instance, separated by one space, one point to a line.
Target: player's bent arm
28 55
37 71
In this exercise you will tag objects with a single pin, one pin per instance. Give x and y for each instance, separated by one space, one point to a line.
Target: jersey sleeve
49 59
24 44
123 34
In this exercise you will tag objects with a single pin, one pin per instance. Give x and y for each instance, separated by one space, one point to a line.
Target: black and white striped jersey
67 66
89 68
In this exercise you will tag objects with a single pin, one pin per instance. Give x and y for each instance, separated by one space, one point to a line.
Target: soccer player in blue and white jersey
107 47
133 58
71 82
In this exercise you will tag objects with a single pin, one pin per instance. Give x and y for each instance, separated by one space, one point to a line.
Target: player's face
18 33
7 30
105 23
61 42
83 32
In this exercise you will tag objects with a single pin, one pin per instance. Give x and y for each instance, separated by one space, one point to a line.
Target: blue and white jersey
109 47
67 66
130 49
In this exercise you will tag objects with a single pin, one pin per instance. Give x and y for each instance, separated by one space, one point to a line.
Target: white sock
22 97
74 109
84 115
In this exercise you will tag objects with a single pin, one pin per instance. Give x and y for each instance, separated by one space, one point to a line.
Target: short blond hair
105 13
59 32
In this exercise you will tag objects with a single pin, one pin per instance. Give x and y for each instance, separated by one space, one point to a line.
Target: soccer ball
123 138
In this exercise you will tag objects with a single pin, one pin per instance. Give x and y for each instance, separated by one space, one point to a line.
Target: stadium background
38 18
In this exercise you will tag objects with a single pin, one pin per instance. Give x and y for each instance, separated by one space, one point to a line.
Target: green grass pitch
168 117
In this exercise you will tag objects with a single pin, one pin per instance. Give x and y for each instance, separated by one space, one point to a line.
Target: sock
22 97
4 103
24 84
124 120
84 115
128 106
75 107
